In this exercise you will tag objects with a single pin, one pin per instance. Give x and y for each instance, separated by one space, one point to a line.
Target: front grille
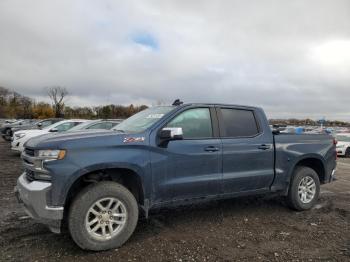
29 152
30 175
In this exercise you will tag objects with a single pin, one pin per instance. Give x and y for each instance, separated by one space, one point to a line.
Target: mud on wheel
103 216
304 189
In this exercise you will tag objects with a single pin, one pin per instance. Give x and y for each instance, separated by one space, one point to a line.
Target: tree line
15 105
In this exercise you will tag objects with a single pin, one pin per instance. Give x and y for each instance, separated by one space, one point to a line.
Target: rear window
238 123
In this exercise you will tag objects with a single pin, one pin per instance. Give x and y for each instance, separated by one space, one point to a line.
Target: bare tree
57 95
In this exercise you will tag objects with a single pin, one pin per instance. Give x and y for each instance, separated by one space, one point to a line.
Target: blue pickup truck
97 183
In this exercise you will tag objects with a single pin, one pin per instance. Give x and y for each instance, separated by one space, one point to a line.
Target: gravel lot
243 229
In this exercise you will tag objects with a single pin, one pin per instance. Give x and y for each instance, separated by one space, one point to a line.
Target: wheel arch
125 176
314 162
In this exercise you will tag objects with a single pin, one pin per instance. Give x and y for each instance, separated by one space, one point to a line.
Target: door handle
211 149
264 147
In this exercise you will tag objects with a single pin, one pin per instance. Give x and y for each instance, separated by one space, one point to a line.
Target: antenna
177 102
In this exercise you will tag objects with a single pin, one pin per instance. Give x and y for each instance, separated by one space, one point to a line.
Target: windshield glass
343 138
143 120
53 125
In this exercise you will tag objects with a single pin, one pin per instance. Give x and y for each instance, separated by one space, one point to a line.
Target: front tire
304 189
8 134
103 216
347 152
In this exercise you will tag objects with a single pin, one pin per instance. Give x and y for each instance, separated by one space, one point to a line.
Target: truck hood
81 139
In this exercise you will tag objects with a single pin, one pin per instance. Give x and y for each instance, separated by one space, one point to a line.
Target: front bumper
33 196
341 151
16 149
17 145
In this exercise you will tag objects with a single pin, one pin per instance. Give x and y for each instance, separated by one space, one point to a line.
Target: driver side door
191 167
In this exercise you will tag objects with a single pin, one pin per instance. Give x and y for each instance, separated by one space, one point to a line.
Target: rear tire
114 210
304 189
347 152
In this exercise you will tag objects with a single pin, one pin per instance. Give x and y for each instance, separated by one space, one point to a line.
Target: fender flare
304 157
98 167
295 164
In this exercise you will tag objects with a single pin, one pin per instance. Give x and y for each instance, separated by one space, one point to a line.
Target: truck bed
291 149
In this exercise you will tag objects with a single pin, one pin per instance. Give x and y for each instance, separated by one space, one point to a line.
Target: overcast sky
290 57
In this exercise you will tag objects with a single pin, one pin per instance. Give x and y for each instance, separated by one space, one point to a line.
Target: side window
65 126
239 123
108 125
101 125
195 123
114 124
76 123
46 123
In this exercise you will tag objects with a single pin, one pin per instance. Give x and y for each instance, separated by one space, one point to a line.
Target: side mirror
39 124
53 130
168 134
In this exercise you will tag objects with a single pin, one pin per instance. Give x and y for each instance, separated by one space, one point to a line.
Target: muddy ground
244 229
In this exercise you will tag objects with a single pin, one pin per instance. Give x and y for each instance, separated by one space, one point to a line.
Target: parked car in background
98 182
39 124
97 124
6 131
342 130
343 145
7 121
291 130
10 121
22 136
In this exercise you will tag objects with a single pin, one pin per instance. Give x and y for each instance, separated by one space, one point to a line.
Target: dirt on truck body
243 229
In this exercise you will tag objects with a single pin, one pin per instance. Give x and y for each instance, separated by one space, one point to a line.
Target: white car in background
22 136
343 145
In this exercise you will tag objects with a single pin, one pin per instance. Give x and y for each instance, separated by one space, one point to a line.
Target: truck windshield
143 120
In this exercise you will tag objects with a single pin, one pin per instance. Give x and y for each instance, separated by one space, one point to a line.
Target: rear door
247 152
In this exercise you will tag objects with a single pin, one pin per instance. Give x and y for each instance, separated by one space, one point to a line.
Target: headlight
340 146
20 135
52 154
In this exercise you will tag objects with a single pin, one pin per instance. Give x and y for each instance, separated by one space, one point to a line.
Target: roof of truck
219 104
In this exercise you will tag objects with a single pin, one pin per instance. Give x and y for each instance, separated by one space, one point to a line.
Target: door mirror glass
171 133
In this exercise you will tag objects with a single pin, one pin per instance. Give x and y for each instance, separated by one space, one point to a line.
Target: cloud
291 58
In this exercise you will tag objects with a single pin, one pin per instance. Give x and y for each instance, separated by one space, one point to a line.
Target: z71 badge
134 139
